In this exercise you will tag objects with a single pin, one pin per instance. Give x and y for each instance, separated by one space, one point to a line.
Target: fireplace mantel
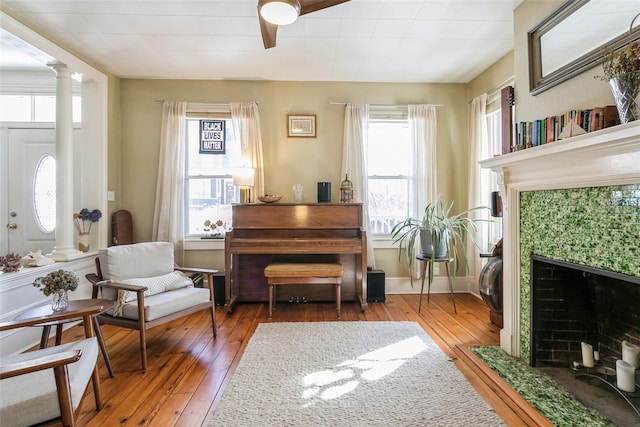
607 157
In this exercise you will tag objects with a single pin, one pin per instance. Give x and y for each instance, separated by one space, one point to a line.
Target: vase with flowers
83 221
622 70
58 283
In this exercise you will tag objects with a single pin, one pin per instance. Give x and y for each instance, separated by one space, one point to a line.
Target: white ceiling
443 41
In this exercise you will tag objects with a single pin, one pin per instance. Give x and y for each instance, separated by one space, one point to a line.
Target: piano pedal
304 300
291 299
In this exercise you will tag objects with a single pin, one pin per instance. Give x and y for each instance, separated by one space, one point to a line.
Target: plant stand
426 264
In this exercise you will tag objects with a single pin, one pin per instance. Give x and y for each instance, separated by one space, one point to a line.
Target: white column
64 249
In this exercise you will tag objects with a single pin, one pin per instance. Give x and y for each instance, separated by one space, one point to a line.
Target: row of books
545 131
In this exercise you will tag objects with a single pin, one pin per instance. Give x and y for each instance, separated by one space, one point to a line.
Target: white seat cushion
160 305
32 398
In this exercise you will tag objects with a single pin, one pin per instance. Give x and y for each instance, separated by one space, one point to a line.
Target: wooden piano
313 232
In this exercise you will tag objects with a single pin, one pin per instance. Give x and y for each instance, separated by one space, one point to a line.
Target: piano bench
286 273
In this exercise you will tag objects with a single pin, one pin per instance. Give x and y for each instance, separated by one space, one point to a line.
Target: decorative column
64 249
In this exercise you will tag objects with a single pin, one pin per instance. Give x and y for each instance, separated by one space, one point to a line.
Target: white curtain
168 224
356 118
423 133
478 145
246 121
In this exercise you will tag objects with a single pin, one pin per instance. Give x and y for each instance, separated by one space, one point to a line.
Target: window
209 189
488 178
44 194
34 108
390 180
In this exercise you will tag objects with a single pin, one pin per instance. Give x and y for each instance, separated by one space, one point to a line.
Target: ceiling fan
273 13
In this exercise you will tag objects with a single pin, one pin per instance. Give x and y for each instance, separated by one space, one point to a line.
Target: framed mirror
575 37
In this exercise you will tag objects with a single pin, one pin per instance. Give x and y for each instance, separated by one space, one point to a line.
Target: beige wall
580 92
287 160
133 165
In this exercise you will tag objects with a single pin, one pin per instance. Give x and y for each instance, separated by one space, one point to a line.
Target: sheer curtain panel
246 121
356 117
168 224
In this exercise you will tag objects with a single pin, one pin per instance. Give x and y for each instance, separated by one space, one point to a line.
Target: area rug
348 374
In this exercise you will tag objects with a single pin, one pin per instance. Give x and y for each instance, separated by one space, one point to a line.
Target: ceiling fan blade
308 6
268 31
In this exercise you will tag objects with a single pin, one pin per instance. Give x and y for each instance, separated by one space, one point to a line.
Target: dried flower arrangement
83 220
10 262
621 62
57 281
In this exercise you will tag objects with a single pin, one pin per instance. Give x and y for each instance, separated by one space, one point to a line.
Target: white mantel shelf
606 157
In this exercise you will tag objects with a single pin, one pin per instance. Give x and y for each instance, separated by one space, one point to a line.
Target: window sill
198 244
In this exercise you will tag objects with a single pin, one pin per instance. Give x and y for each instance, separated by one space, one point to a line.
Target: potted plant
442 236
621 68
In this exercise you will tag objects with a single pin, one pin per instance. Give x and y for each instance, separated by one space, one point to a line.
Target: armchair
50 383
148 289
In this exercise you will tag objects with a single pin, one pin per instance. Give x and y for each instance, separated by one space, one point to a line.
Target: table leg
59 334
424 270
46 330
103 347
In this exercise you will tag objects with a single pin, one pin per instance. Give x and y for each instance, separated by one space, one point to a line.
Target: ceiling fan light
279 12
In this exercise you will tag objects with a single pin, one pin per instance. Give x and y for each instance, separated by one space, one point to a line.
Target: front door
31 190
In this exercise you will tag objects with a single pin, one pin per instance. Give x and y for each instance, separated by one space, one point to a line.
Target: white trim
607 157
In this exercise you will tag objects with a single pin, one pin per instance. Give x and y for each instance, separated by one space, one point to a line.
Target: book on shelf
548 130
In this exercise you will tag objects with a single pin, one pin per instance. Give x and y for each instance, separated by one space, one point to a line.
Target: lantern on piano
346 190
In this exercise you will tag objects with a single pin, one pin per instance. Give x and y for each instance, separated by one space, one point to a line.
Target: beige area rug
348 374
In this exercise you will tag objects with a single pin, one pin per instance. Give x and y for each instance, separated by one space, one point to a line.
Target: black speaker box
324 192
375 286
219 293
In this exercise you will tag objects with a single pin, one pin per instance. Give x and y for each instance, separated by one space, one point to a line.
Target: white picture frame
301 126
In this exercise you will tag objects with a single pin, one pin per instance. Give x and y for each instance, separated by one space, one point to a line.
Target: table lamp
244 178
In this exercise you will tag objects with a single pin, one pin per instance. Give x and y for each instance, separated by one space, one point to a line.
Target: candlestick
587 355
625 376
631 354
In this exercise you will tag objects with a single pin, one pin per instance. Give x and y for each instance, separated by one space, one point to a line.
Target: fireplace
572 303
595 179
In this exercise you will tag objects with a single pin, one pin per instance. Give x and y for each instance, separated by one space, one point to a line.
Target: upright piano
300 232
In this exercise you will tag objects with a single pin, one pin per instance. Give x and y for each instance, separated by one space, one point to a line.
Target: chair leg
213 321
61 375
95 379
143 347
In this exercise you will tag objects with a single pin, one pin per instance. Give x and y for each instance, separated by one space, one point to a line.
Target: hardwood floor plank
189 370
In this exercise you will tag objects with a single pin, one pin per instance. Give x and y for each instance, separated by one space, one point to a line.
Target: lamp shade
244 176
279 12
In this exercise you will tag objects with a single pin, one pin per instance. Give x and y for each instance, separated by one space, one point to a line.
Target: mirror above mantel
574 38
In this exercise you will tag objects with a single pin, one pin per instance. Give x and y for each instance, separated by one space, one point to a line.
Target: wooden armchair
141 278
49 384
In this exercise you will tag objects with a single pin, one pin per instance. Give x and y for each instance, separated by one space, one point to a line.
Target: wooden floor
188 371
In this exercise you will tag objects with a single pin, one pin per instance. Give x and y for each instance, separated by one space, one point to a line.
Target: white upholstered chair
49 384
148 289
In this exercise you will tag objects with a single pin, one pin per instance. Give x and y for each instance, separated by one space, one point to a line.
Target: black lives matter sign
212 137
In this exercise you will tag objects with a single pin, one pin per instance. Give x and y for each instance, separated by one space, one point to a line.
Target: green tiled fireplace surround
595 226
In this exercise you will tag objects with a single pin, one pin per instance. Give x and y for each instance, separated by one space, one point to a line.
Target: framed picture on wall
302 126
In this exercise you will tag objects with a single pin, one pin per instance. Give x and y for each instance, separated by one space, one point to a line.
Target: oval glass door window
44 193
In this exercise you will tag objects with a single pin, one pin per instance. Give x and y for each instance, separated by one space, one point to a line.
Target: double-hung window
209 190
390 174
488 178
